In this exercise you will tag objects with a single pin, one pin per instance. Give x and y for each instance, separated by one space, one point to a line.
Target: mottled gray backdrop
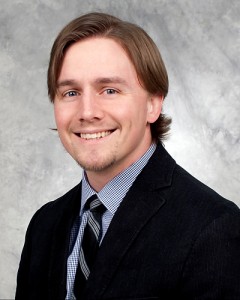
200 43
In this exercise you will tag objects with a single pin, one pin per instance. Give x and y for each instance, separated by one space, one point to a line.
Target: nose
90 108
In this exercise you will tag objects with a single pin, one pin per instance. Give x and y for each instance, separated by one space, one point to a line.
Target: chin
96 167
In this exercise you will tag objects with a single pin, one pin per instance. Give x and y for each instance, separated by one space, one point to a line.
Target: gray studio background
200 44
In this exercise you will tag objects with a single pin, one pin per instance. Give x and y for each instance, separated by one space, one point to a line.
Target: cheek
61 117
62 129
141 114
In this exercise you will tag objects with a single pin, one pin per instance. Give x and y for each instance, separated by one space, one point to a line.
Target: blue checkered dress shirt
111 196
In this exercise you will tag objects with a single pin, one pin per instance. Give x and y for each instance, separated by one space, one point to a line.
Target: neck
98 179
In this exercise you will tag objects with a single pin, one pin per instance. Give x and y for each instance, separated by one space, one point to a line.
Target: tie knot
94 204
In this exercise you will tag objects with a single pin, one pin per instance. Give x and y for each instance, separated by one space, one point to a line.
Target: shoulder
199 201
51 212
186 184
184 195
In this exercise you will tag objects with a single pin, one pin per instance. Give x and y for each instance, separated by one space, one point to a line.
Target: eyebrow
66 83
107 80
101 80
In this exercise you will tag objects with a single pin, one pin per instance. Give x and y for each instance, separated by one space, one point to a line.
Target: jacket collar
159 170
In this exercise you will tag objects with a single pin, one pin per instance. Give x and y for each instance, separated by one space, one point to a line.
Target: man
160 233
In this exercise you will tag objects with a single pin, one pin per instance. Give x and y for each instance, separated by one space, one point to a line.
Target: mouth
95 135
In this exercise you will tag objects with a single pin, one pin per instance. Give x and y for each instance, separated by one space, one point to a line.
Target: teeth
97 135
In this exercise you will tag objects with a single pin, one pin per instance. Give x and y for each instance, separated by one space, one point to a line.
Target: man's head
139 47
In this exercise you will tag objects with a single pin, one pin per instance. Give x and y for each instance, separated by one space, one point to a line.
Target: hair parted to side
138 45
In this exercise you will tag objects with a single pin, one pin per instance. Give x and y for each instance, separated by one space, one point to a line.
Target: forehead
96 55
98 48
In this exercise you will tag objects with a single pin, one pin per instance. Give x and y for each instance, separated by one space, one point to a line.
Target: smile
96 135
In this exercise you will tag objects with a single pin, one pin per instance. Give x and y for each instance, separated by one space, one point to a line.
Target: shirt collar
115 190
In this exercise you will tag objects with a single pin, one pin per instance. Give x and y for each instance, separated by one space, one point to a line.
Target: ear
155 103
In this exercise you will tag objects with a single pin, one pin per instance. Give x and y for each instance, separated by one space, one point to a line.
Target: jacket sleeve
24 265
212 270
24 270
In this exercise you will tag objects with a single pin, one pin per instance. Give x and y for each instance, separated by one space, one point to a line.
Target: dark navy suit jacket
171 238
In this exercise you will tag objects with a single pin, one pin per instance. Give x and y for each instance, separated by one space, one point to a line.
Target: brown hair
140 48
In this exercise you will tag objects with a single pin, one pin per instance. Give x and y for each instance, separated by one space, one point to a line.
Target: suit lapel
141 203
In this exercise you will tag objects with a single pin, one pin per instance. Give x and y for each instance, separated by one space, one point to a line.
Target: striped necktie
90 243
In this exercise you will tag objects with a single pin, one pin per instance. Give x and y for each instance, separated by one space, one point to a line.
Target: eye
110 91
71 94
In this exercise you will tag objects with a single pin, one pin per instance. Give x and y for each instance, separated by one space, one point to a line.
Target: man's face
102 112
